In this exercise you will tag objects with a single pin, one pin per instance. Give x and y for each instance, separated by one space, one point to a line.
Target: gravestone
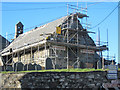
18 66
112 72
9 68
57 66
2 68
25 67
48 64
31 67
118 65
38 67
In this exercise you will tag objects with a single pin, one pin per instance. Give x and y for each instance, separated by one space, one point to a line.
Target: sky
33 14
59 0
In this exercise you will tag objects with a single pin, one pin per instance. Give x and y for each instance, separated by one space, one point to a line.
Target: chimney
18 29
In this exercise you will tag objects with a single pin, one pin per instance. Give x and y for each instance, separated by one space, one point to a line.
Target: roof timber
56 43
24 47
81 31
80 46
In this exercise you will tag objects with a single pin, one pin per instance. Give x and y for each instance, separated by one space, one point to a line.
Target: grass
118 69
57 70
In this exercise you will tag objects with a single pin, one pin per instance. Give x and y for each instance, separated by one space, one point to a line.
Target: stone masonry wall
55 80
38 58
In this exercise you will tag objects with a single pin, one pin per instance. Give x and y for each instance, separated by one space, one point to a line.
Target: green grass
118 69
57 70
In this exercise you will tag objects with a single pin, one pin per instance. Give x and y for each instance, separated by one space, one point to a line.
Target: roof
33 36
19 23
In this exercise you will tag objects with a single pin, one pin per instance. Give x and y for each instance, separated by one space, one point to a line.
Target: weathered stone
48 80
104 80
89 79
47 87
62 76
58 87
77 76
67 87
72 76
53 80
80 80
80 87
66 83
63 86
33 77
91 85
98 84
61 80
98 75
56 77
95 88
90 76
115 81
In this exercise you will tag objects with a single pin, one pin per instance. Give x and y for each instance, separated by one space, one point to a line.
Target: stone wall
38 57
55 80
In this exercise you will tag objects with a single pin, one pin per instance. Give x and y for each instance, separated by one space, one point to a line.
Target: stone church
63 43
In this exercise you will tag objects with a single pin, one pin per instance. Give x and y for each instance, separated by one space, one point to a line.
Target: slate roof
33 36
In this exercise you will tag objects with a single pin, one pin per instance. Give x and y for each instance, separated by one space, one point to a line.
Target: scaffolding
77 44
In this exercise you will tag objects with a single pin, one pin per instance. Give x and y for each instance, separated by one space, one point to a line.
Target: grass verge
57 70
